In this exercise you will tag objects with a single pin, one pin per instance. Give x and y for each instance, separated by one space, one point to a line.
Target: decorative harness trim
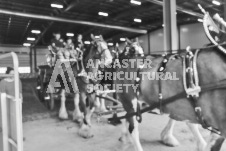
192 88
208 21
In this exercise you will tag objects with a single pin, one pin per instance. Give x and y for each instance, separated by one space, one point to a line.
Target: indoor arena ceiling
15 29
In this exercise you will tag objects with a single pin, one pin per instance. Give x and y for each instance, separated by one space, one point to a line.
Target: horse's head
99 50
132 49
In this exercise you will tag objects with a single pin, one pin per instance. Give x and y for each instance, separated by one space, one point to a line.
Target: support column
35 59
171 40
149 44
31 63
224 9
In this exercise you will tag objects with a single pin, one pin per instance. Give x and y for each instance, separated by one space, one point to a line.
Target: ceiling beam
59 19
133 10
181 9
69 7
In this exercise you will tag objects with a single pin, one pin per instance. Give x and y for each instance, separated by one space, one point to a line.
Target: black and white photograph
112 75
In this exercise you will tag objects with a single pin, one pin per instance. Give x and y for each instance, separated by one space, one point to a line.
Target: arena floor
43 131
52 134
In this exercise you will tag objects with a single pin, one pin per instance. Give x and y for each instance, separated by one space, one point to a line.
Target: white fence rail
10 143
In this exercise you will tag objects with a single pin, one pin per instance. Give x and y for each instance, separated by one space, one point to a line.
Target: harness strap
193 89
162 69
205 88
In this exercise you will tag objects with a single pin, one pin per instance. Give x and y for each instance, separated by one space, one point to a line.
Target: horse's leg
214 143
77 114
135 131
63 112
167 136
85 129
125 133
90 108
201 143
102 104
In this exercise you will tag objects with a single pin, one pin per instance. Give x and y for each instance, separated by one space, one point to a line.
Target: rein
213 86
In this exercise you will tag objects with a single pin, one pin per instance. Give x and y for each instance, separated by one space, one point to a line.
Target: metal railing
18 143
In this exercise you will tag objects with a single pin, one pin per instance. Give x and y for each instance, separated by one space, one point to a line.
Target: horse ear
137 40
128 41
92 37
101 38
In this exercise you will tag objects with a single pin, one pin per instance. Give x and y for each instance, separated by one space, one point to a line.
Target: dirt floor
43 131
55 135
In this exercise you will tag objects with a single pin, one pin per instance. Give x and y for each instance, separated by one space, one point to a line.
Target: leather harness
191 91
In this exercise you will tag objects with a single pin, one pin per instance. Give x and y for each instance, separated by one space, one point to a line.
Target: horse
167 136
181 109
85 102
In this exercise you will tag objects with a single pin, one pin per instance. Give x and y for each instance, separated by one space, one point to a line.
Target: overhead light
110 44
57 5
135 2
36 31
70 34
122 39
200 20
30 38
97 36
27 44
216 2
163 25
103 14
137 20
87 42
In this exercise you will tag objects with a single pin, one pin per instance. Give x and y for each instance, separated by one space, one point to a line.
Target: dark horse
84 100
211 67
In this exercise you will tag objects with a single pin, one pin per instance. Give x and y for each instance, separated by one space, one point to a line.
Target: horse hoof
170 140
63 116
103 109
85 132
77 118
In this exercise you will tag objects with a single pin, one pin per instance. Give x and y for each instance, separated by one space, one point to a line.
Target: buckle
194 91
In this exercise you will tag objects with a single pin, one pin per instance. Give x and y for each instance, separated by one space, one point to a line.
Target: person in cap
70 52
57 45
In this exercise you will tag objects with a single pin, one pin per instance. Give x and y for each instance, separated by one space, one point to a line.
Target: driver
57 45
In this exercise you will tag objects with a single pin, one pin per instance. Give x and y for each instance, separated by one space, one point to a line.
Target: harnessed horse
167 134
167 94
84 102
